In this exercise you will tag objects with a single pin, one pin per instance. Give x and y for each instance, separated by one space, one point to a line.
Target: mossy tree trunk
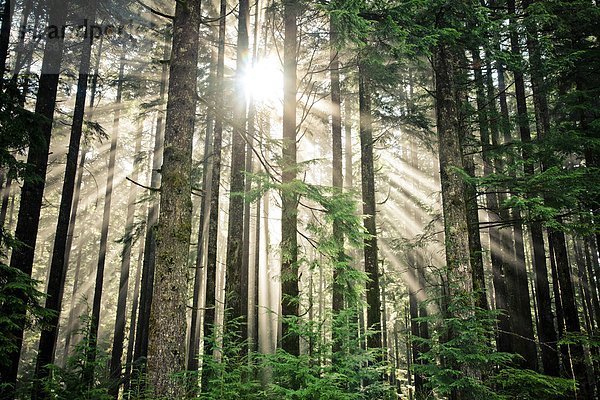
289 219
167 328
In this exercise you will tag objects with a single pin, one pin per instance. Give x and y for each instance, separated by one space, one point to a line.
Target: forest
290 199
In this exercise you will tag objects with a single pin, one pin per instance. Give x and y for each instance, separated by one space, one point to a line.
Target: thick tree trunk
120 318
32 190
59 266
289 220
167 328
236 285
369 210
213 226
458 290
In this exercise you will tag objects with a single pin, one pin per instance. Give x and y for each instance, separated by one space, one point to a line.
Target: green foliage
17 132
524 384
462 358
20 301
71 382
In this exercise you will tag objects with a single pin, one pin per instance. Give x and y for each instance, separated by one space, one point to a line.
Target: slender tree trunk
99 282
167 328
59 266
520 309
546 331
132 322
120 318
69 328
6 191
414 324
289 220
348 142
369 210
213 226
501 243
570 310
195 323
7 9
236 285
146 289
337 177
32 190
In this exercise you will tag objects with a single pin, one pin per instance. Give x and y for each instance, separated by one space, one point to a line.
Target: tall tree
520 309
120 318
289 201
32 190
546 330
106 213
147 283
213 225
58 266
336 144
166 341
195 323
369 208
236 284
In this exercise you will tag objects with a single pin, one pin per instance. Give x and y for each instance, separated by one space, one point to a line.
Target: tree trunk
289 217
59 266
32 190
195 323
236 284
99 282
546 330
570 310
213 227
146 288
7 9
132 322
337 177
69 328
414 324
120 318
369 210
167 328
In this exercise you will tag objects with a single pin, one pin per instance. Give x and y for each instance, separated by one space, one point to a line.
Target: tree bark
120 322
195 323
337 177
570 311
167 327
146 288
236 285
7 10
369 210
546 330
32 190
106 213
213 227
59 265
289 220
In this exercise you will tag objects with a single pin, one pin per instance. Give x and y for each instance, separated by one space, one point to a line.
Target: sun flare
264 81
